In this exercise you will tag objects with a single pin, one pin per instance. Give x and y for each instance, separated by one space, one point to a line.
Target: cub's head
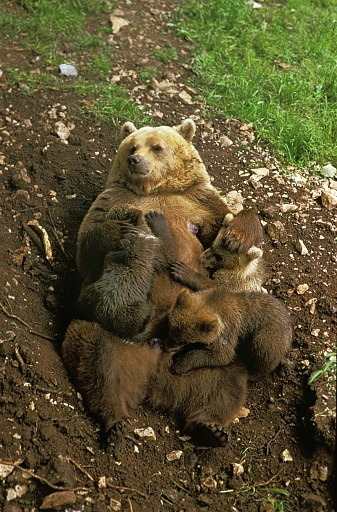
191 320
157 159
220 255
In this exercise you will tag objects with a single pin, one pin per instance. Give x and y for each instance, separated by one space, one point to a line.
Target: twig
29 327
120 488
41 479
130 505
50 390
56 236
271 441
19 358
70 459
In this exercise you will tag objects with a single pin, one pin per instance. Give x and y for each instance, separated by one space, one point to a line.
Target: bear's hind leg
204 401
111 374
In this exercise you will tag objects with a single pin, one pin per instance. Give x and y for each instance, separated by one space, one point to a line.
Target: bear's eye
157 148
133 150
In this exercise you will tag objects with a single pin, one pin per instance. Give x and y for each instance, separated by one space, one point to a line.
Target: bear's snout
138 165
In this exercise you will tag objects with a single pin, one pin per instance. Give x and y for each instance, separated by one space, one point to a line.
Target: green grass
275 66
45 27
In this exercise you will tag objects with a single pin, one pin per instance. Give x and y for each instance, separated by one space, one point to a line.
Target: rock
62 131
147 432
238 469
174 455
185 97
329 171
58 500
301 248
286 208
329 198
260 171
68 70
285 456
209 482
115 505
5 470
117 23
225 141
302 288
276 231
19 176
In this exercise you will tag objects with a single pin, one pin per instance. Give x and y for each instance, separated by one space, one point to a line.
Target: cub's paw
188 359
209 434
156 222
180 272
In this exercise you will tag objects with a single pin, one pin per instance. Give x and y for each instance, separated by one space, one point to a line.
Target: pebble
302 288
174 455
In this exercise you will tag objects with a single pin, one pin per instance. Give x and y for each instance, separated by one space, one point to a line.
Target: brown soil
45 431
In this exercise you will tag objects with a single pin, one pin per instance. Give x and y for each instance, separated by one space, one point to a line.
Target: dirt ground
286 439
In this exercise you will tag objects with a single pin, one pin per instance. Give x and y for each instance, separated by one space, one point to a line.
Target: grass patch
46 28
274 66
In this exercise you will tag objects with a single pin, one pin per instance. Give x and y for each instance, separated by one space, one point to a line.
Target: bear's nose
134 160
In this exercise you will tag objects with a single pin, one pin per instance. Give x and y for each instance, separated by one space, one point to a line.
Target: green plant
165 54
328 371
274 66
147 74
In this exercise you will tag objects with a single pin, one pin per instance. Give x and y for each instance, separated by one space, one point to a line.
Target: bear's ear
183 298
127 129
186 129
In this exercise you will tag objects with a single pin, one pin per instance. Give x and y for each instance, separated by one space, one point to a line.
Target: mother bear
155 169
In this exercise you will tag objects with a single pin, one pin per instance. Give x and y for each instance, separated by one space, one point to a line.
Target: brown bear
155 169
238 270
216 326
115 376
131 269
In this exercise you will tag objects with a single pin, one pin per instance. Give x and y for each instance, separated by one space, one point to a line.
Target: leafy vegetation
274 66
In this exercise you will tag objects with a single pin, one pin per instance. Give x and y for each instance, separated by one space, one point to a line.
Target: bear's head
192 320
161 159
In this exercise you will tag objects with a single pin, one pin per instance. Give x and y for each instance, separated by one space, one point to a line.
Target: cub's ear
254 253
228 219
208 326
183 299
186 129
127 129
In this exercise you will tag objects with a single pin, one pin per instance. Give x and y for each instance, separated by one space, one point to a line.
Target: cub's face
218 255
192 321
154 158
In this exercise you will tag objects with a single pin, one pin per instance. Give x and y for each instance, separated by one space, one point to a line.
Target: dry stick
76 464
44 480
126 489
271 441
29 327
130 505
19 358
56 236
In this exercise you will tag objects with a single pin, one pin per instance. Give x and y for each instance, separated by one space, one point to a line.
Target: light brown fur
215 326
155 169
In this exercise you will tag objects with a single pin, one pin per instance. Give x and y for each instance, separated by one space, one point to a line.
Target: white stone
175 455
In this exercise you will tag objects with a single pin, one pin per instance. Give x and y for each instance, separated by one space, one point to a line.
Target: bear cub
119 299
213 327
236 269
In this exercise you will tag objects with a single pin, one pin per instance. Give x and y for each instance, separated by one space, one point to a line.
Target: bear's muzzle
138 165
